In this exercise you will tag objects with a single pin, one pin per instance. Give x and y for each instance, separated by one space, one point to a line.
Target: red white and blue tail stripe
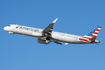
94 32
91 36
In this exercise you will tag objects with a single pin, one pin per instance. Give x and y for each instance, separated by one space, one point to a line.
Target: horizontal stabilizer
92 39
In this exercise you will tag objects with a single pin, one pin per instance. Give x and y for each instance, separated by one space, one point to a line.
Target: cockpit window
9 25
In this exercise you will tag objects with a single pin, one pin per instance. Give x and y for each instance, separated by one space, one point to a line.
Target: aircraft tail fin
93 34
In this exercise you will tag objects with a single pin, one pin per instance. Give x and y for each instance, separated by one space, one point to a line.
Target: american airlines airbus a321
47 35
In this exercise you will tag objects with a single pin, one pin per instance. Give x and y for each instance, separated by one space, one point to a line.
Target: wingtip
55 20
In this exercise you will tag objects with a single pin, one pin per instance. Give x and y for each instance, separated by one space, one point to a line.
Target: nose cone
5 28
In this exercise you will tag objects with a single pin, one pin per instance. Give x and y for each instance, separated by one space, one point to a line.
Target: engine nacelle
43 41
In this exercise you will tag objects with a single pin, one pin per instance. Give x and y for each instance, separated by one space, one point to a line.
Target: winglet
55 20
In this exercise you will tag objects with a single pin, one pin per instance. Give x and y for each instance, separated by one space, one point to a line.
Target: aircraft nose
5 28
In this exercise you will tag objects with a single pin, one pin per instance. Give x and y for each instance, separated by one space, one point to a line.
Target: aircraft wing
48 30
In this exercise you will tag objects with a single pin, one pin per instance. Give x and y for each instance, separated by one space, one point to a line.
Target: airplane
47 35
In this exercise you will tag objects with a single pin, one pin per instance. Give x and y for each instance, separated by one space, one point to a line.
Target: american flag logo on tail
91 36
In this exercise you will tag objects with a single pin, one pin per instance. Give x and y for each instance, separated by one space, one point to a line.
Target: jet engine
43 41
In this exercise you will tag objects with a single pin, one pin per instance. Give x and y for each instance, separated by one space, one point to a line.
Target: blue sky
18 52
